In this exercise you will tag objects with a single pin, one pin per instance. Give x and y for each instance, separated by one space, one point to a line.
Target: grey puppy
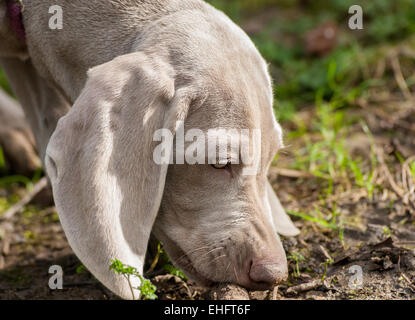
129 68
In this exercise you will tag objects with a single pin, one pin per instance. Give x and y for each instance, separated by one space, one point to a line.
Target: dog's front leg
42 104
16 138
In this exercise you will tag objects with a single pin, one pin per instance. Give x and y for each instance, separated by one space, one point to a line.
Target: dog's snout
268 272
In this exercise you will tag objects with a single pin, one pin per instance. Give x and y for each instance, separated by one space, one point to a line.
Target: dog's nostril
268 273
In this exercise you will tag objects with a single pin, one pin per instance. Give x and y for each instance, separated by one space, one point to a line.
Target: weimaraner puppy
128 68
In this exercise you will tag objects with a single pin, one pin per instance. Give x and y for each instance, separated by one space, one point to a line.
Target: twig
399 76
130 285
380 69
411 285
275 293
292 173
189 292
155 261
325 253
405 242
398 190
304 287
39 186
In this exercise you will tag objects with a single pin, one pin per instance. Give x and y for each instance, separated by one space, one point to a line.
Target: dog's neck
14 12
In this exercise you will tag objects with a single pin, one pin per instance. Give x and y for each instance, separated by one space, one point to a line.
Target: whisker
185 255
206 255
236 275
215 249
226 270
217 258
211 262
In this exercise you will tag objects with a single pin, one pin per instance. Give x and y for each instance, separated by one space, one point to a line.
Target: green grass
332 221
16 277
4 204
163 260
412 168
2 159
169 268
328 157
297 258
326 264
4 83
315 217
81 269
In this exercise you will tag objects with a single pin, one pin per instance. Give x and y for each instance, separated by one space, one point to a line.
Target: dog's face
215 220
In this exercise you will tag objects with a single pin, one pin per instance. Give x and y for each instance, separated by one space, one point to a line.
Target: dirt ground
388 263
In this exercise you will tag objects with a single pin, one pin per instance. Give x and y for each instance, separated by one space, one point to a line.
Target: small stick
156 259
398 190
292 173
325 253
411 285
399 77
305 286
275 293
189 292
39 186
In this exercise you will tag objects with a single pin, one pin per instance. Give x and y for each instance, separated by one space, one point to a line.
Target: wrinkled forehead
238 94
239 113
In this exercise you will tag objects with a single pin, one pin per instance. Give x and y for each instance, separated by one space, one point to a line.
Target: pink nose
267 273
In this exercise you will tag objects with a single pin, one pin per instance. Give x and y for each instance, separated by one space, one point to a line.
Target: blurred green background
280 32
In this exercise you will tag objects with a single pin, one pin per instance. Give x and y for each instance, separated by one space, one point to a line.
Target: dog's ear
106 185
282 221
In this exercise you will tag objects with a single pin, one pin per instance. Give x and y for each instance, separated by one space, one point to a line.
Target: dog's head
218 219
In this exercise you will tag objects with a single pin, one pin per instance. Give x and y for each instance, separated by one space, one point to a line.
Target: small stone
259 295
228 292
387 263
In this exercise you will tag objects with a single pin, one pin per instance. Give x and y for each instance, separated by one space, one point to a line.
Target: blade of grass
306 217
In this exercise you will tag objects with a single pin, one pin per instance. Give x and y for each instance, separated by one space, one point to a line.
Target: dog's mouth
182 261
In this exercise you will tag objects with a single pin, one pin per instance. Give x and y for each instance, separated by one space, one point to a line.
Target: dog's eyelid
221 165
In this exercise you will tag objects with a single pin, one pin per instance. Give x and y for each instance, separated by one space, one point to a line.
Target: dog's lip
183 262
188 268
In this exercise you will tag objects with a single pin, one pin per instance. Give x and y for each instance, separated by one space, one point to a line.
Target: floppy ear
282 221
106 186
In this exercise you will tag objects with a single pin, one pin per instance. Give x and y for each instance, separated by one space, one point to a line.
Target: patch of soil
385 262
